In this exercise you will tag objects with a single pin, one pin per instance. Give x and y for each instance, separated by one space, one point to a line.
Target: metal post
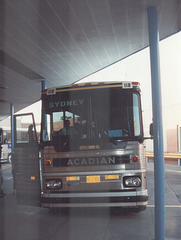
179 162
12 128
147 159
43 85
159 175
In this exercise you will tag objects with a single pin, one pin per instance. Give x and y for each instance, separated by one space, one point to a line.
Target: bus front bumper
95 199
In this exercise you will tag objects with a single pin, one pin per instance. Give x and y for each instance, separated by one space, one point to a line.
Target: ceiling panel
63 41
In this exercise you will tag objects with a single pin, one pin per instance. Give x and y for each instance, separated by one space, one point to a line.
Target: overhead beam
11 63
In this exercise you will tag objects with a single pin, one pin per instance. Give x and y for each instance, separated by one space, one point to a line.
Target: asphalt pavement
34 223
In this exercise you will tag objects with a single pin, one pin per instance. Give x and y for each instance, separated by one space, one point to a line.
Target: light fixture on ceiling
3 87
2 101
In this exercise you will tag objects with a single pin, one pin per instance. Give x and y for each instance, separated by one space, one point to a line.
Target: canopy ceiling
63 41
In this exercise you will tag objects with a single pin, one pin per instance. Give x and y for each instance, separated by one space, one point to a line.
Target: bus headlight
133 181
53 184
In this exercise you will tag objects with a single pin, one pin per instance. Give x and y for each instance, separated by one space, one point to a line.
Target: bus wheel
139 209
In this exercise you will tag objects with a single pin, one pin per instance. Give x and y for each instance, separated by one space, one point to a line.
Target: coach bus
92 147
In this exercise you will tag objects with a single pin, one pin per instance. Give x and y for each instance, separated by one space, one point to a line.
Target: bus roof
91 85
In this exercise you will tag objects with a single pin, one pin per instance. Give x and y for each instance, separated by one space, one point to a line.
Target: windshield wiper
117 141
110 138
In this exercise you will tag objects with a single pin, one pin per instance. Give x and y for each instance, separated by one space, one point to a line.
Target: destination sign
67 103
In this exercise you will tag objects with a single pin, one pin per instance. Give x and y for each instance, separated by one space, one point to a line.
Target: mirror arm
146 138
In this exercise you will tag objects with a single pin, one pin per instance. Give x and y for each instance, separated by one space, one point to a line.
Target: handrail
166 155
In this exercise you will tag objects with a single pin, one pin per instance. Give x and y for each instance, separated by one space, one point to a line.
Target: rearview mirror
151 129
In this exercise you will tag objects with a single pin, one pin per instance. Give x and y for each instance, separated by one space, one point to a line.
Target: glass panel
58 121
117 114
46 128
93 117
136 114
179 138
25 132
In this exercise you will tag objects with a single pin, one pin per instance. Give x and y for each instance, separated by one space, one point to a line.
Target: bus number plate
93 179
51 91
127 85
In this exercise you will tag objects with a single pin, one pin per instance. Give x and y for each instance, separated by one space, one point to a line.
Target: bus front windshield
101 118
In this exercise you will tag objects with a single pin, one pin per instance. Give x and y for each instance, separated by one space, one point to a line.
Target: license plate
73 178
111 177
93 179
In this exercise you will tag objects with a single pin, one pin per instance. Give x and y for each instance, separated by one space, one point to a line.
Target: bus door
1 141
25 161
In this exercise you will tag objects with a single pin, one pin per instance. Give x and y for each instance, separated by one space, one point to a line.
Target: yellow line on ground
169 170
166 155
167 206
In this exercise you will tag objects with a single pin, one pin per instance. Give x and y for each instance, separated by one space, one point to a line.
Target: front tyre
139 209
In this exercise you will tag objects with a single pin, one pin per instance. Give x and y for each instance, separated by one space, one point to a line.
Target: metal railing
166 156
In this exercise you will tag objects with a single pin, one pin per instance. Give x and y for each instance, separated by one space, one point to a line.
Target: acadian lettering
91 161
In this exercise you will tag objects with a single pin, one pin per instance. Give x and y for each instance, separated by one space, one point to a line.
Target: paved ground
33 223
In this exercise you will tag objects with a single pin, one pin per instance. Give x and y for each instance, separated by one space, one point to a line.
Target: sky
137 68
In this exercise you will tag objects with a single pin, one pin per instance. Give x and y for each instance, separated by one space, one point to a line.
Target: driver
67 130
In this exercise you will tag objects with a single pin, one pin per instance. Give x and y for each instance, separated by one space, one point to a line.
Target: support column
159 175
43 85
12 128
